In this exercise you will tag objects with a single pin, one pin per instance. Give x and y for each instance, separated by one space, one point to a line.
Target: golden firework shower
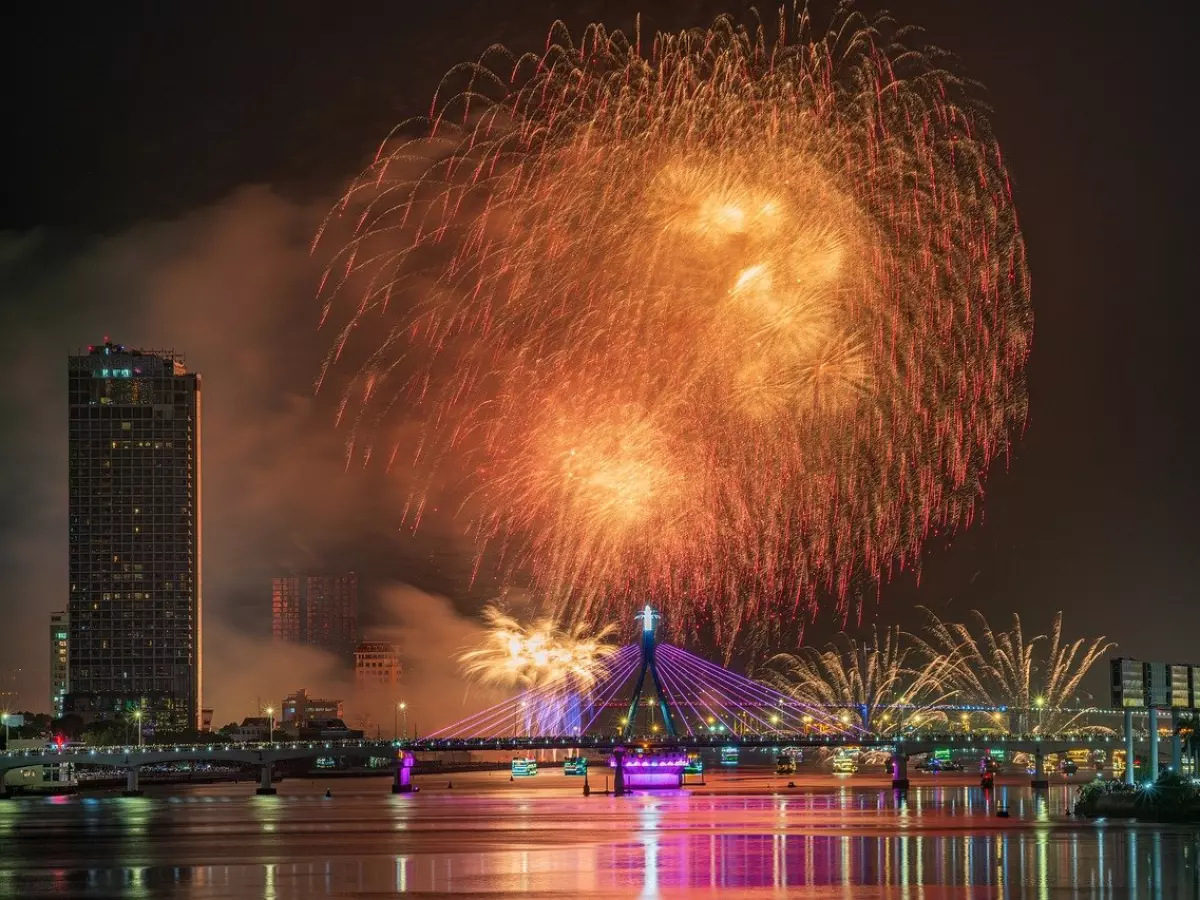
541 654
731 322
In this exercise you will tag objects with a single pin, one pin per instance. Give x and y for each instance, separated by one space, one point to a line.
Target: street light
270 724
137 718
4 717
404 713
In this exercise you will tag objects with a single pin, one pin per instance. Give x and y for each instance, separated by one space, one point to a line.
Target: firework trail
881 681
731 322
512 654
1005 669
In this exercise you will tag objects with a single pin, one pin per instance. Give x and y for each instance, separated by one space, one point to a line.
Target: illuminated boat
524 767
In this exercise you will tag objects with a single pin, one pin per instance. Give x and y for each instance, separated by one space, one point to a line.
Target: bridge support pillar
131 783
1152 763
403 781
265 773
1176 743
1040 782
619 776
900 771
1129 746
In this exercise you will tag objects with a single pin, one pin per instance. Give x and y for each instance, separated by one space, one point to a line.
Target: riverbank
1172 799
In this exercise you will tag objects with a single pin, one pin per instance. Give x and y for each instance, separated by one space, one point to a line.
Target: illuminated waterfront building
134 536
299 709
59 666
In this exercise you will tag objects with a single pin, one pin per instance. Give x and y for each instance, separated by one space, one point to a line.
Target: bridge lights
270 711
137 721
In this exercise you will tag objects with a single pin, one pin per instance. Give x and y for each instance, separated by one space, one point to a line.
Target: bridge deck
263 753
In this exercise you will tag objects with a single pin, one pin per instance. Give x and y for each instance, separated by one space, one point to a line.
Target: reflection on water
846 842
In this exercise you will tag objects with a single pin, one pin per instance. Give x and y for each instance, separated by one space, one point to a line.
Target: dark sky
123 117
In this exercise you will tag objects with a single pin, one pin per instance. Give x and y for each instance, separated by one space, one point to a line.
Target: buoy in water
449 784
328 793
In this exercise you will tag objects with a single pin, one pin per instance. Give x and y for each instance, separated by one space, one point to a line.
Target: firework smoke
729 322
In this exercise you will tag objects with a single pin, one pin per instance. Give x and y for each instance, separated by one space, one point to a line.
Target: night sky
141 136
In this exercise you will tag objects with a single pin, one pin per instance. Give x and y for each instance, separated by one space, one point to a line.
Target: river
741 835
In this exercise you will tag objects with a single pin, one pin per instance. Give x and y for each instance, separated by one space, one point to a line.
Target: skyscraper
316 610
134 532
59 672
287 616
332 615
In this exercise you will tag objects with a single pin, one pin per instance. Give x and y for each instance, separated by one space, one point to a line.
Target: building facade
301 710
376 665
134 536
316 611
287 616
60 680
331 617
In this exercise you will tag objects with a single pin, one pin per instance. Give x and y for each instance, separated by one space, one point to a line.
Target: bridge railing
951 739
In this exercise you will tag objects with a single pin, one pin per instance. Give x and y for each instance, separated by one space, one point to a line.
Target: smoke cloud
231 286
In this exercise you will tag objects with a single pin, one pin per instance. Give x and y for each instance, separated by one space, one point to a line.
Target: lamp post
4 717
270 724
137 721
1040 703
404 715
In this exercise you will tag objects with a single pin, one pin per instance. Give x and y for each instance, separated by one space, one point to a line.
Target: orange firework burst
728 323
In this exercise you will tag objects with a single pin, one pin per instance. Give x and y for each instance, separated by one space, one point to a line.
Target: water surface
742 835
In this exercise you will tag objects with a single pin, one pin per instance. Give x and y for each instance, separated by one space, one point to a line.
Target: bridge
266 756
695 705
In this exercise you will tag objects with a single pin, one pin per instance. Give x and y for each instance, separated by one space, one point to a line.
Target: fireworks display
728 321
513 654
1039 676
884 684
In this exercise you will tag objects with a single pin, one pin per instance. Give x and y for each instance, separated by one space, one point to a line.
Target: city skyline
1092 513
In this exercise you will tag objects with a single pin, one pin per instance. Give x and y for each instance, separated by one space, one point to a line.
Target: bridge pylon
649 617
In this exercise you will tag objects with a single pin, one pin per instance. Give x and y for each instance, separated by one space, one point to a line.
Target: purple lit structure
694 698
655 770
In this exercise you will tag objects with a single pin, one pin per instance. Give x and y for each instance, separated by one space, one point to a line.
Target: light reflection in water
940 843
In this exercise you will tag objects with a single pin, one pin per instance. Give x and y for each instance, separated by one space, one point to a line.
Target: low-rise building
252 730
299 709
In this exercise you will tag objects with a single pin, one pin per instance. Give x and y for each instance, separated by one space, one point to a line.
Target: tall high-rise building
376 665
59 672
331 618
134 532
316 610
287 617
